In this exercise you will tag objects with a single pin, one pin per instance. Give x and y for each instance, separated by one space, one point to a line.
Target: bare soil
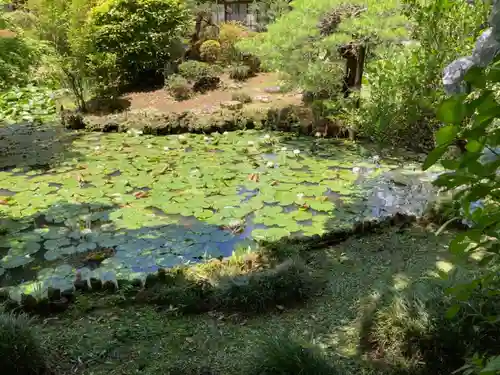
160 100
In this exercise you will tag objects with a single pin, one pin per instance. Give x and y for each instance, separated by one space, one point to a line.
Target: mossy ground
95 337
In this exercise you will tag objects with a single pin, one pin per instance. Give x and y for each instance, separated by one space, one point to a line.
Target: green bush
404 84
28 103
210 51
240 72
140 33
19 350
179 87
285 355
194 70
241 97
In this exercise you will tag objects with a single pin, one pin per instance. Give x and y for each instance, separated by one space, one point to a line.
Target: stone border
290 118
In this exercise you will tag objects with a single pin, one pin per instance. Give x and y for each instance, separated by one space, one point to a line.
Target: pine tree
309 43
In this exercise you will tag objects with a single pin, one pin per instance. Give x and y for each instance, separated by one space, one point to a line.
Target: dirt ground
258 88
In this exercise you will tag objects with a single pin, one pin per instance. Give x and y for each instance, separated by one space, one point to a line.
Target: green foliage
20 54
62 25
268 11
230 33
473 176
210 51
140 33
404 84
29 103
294 44
179 87
194 70
19 350
241 96
284 355
240 72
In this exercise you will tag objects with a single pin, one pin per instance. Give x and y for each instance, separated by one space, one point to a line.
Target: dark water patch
56 185
6 193
216 150
87 185
307 183
306 223
290 208
188 149
114 174
271 156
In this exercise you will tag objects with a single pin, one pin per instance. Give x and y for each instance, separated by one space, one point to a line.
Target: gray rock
262 98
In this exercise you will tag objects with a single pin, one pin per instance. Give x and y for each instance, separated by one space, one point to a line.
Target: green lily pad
270 234
302 215
324 206
13 261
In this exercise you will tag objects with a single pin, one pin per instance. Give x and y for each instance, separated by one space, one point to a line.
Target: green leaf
452 311
493 365
433 157
476 77
452 110
474 146
446 134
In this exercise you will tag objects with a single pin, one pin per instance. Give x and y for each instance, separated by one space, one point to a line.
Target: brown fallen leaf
4 202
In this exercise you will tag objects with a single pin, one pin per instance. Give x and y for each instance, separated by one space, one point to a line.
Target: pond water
120 206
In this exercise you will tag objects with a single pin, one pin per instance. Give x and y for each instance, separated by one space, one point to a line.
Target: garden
307 187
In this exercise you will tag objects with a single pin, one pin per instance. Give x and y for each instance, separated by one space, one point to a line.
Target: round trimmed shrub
179 87
210 51
19 350
194 70
231 33
141 33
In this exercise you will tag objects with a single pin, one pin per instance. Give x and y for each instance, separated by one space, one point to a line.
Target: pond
120 206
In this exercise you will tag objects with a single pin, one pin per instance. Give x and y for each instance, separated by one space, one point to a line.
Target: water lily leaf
302 215
55 244
13 261
270 234
324 206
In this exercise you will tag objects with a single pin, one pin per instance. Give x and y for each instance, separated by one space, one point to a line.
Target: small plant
240 72
210 51
284 355
19 350
195 70
242 97
179 87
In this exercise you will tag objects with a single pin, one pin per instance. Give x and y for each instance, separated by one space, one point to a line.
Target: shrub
231 33
240 72
179 87
140 33
19 350
405 83
194 70
241 97
284 355
210 51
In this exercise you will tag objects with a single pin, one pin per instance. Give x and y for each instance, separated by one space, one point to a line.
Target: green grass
147 340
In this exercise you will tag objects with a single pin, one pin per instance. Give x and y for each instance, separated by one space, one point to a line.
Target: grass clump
412 331
285 355
179 87
290 282
19 350
240 72
249 292
242 97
